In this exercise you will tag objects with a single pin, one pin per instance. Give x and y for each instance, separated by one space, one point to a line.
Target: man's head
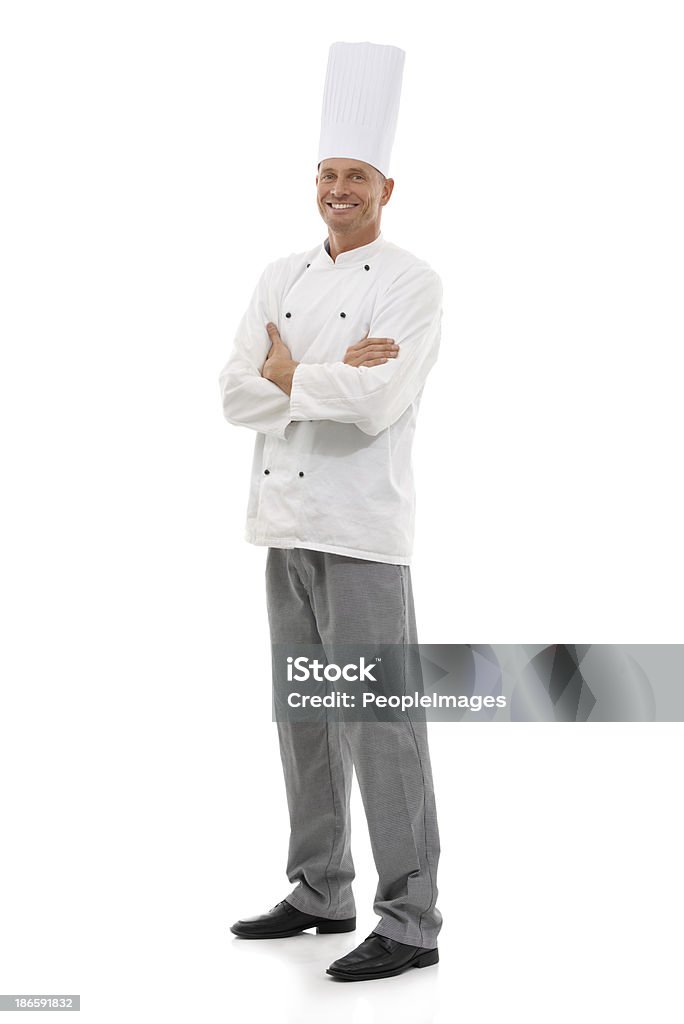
351 195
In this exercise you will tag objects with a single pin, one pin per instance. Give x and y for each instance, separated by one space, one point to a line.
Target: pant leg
317 765
357 601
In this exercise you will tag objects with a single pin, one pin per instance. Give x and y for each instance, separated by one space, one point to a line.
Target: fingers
377 352
385 343
369 359
273 333
358 344
377 349
372 362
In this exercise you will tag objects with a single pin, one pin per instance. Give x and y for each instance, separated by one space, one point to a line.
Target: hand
279 366
371 352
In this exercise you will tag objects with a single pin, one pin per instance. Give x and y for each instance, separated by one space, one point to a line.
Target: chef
328 368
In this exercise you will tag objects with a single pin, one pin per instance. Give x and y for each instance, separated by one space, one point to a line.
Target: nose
339 190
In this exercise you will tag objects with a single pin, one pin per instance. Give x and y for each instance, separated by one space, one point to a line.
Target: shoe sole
427 959
322 928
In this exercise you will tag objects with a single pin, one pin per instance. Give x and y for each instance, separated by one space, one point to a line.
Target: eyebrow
351 170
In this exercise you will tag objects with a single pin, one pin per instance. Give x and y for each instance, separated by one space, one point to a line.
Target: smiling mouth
342 206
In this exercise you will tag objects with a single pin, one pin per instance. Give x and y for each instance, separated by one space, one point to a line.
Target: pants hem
300 904
408 940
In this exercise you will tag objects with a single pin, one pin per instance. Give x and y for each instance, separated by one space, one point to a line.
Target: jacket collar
354 257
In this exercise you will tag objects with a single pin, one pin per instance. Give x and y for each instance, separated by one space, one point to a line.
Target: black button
366 267
343 314
266 472
300 473
308 265
288 315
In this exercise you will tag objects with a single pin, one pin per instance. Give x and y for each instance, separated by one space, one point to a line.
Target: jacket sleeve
249 400
374 397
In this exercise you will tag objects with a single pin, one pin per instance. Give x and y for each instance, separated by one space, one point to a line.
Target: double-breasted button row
267 472
288 315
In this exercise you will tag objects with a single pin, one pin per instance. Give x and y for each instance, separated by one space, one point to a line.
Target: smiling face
350 197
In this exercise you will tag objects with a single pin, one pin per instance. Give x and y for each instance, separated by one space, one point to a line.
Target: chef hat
361 103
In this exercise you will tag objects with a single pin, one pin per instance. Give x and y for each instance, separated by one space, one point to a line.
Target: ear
387 191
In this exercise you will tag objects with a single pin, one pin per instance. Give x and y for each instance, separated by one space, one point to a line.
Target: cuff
298 410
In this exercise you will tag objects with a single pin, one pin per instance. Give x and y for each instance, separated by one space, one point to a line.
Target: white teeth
342 206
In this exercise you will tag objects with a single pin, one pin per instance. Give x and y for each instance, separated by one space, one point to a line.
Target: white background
155 157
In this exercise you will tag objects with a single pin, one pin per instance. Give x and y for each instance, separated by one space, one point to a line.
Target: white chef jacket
332 461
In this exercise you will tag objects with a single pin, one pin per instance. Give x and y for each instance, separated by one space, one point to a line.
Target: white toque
361 103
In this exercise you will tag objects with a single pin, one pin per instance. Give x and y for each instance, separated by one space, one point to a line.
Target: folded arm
374 397
250 400
372 387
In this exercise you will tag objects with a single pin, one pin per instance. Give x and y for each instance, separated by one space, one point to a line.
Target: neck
345 243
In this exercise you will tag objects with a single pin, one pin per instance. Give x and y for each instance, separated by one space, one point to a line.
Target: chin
344 228
345 224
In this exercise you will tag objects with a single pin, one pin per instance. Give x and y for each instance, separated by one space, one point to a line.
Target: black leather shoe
380 957
284 920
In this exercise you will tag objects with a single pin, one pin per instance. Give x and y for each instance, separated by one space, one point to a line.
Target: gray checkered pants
316 597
